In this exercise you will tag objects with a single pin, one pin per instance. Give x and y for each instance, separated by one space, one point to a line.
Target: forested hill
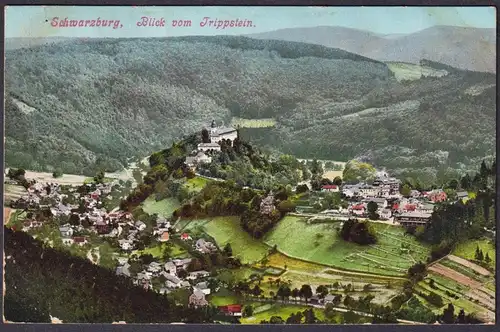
41 281
91 104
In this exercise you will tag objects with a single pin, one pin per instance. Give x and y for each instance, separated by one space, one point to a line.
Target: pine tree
487 258
481 255
477 254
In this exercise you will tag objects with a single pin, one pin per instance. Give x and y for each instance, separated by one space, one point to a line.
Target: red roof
358 207
164 236
231 308
329 186
395 206
410 207
79 239
184 235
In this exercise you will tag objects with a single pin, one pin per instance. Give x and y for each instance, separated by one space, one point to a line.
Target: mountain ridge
462 47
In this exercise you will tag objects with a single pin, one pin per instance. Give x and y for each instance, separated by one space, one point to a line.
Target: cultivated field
164 208
13 192
409 71
253 123
319 243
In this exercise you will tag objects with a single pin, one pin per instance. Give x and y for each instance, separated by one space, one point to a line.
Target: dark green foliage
417 312
42 281
417 272
358 232
129 97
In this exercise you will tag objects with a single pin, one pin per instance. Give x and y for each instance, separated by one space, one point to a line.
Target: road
322 306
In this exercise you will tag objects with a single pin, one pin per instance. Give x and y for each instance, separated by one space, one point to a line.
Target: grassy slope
228 230
164 208
319 243
467 249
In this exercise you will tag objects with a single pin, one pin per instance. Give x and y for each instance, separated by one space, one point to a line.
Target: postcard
218 165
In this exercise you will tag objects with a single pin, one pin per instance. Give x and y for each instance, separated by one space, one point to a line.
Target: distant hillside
86 105
25 42
461 47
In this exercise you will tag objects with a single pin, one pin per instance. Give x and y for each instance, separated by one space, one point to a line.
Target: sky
35 21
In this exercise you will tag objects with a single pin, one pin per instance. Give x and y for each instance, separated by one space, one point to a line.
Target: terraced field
318 243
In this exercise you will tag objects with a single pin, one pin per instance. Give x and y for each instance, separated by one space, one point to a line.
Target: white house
208 146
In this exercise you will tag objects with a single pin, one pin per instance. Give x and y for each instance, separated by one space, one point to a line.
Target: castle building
218 134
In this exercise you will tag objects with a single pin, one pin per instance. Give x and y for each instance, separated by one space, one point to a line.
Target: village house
329 299
231 310
413 218
330 188
358 209
154 267
80 240
30 224
182 263
385 214
164 237
205 147
205 246
197 275
123 270
267 204
203 287
172 281
171 268
462 195
140 225
425 208
381 202
437 196
185 237
197 299
66 231
368 191
199 158
126 244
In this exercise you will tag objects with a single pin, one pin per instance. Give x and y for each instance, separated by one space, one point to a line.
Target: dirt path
6 215
343 273
479 269
454 275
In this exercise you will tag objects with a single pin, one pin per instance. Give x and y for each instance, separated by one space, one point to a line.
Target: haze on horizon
378 20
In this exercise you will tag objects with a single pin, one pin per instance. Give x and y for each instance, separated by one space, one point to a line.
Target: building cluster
204 151
413 210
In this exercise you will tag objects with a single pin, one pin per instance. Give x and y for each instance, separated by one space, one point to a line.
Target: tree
372 210
461 317
449 314
309 316
453 184
228 251
182 273
295 293
302 188
306 292
247 311
57 173
205 136
99 177
276 320
478 254
405 190
322 291
337 181
487 258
